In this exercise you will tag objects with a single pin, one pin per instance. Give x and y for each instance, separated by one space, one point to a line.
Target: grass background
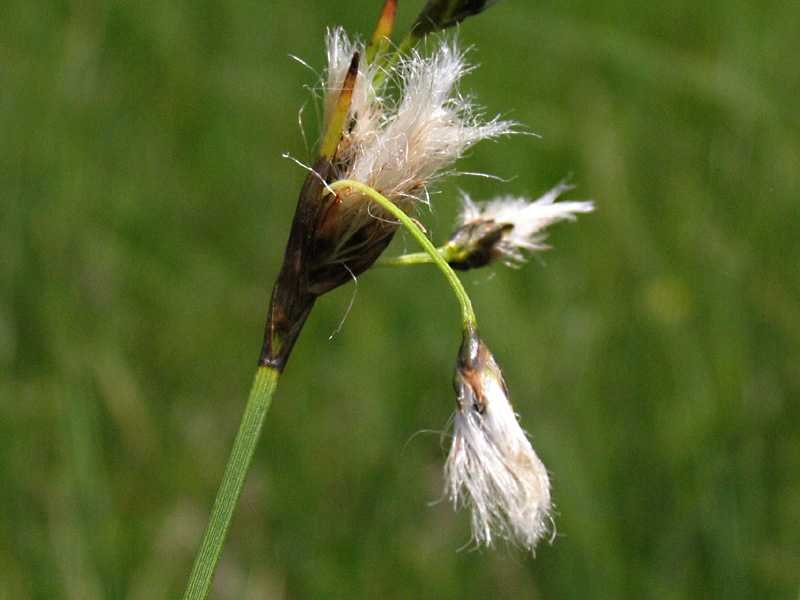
653 355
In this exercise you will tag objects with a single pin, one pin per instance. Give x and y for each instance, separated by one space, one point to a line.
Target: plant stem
415 258
467 313
233 479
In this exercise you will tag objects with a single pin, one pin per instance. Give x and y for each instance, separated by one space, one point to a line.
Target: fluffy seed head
500 229
406 124
399 142
492 467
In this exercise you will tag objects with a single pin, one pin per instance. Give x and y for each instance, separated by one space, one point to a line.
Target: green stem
467 313
418 258
415 258
232 483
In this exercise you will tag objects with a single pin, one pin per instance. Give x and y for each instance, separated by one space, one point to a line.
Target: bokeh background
653 354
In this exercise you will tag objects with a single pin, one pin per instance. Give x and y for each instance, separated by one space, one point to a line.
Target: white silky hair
397 145
529 219
493 469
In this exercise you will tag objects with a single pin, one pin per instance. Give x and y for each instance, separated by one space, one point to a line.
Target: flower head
404 124
500 229
492 466
392 124
397 144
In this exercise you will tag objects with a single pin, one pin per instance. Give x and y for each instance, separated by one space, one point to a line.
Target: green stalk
467 313
230 489
415 258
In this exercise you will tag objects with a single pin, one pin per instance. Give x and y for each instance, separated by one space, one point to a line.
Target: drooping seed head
492 467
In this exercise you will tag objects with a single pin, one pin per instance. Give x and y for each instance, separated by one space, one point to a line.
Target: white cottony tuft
397 145
523 221
492 467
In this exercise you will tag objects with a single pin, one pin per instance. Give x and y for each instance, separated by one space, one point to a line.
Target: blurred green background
653 354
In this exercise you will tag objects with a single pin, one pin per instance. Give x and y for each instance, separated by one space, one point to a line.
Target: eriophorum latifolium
394 123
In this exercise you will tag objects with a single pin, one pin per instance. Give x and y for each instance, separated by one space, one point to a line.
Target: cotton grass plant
394 123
